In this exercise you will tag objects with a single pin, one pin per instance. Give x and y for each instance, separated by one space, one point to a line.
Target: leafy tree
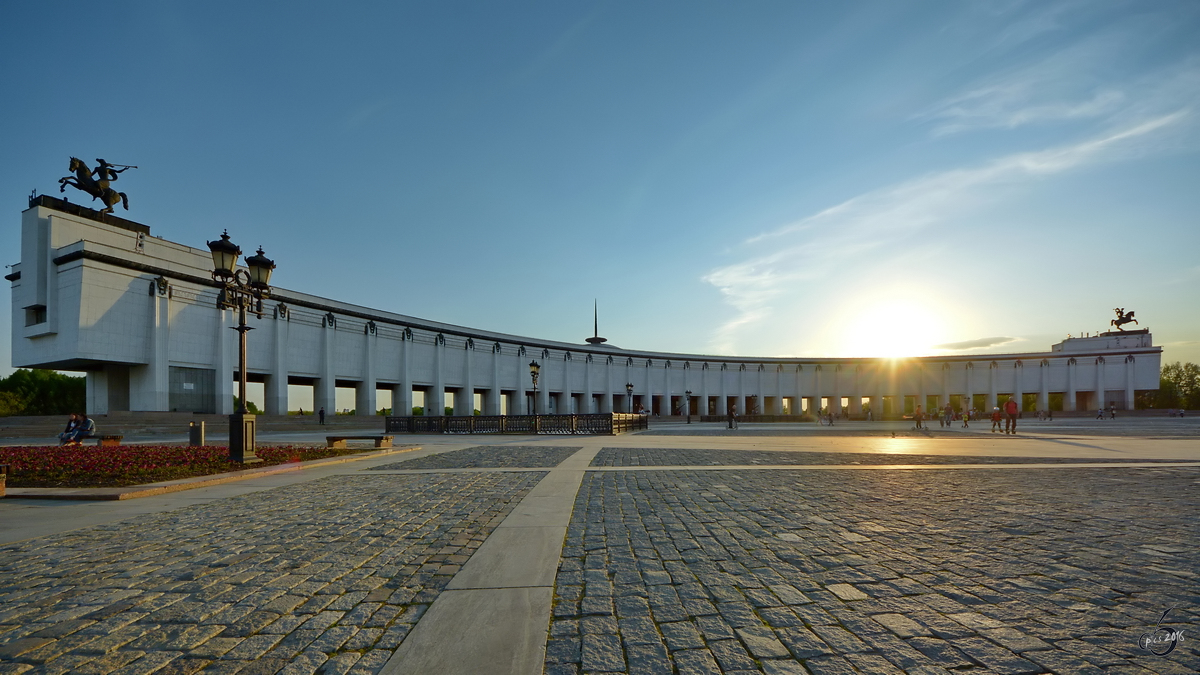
250 407
1178 386
44 392
10 404
418 411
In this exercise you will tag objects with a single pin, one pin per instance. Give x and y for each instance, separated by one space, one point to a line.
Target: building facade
138 314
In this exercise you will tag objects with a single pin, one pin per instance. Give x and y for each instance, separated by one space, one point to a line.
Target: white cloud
874 234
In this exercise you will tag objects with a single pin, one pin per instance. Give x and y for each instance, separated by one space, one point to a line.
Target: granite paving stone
217 587
971 571
488 456
632 457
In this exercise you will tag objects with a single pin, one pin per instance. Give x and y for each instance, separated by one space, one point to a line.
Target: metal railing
595 424
750 419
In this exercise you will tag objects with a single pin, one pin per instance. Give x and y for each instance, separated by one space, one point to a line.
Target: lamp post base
242 427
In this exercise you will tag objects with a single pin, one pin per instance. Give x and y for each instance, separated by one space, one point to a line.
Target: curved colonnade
138 314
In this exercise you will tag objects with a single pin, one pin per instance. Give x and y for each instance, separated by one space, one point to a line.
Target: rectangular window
35 314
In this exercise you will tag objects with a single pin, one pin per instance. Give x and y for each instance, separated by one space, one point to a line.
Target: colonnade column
402 393
1019 385
1069 403
1044 385
1100 393
969 375
277 383
723 398
365 397
520 404
856 392
665 408
150 385
325 390
944 396
491 406
435 401
464 399
992 403
542 405
606 398
589 401
835 404
1129 392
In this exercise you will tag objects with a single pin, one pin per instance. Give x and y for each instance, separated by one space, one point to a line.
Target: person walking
321 415
996 419
1100 413
965 418
947 415
917 417
1011 411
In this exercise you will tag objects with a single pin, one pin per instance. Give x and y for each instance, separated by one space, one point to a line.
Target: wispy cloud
881 226
979 343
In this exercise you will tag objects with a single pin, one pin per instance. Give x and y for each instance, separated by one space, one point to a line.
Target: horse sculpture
1122 318
96 187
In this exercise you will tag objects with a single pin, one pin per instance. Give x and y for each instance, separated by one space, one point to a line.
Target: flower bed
122 465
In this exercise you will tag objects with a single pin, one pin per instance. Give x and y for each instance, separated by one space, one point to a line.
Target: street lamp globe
260 270
534 369
225 255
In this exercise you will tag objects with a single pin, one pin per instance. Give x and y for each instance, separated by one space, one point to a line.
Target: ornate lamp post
243 290
534 369
688 402
629 396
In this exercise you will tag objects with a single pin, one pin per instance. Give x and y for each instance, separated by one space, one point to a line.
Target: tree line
1178 387
41 392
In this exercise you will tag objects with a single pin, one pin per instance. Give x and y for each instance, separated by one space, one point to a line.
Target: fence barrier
609 424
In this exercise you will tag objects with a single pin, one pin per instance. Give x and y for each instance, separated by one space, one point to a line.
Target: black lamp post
629 396
688 402
243 290
534 369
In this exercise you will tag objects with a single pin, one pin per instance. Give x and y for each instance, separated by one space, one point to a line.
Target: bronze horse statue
1122 318
96 187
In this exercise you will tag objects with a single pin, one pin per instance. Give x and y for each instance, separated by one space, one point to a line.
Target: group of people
1112 413
79 427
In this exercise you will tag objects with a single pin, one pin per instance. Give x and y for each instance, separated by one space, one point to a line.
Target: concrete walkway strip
494 614
168 486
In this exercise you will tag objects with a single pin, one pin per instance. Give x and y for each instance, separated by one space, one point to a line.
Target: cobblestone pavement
1141 427
324 576
490 457
715 457
789 572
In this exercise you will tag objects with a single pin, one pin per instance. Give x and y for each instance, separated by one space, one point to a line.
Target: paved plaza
692 553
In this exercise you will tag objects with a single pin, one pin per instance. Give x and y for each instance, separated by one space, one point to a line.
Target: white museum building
138 314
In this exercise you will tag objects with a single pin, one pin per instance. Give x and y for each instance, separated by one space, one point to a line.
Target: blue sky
775 179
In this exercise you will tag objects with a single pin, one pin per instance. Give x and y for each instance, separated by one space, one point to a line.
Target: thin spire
596 339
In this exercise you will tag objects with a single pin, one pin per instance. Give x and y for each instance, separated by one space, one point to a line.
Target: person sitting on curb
69 432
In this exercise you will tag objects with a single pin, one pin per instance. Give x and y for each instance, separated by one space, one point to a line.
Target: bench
340 441
110 440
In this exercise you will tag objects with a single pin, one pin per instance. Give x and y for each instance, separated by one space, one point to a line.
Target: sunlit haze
761 179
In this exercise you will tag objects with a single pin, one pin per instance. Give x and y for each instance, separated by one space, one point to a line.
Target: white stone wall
106 315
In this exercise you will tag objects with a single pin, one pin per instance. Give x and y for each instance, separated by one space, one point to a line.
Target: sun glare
892 329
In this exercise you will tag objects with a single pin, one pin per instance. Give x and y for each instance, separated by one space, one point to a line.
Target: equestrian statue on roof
97 187
1122 318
